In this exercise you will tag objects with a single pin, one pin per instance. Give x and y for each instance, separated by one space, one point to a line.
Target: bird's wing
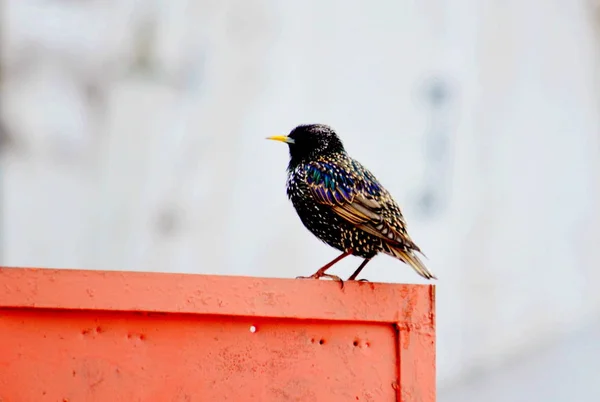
355 195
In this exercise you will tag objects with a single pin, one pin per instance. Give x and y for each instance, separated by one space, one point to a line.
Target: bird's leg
321 272
360 268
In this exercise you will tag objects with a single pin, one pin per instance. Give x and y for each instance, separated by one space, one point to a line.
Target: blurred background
132 138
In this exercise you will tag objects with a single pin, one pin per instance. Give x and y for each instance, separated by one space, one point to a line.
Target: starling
342 203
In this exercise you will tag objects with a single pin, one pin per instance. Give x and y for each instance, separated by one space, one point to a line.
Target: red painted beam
70 335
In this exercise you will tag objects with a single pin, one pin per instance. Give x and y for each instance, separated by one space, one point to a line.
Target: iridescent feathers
342 203
354 194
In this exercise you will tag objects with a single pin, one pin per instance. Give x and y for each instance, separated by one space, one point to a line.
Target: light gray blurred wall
137 142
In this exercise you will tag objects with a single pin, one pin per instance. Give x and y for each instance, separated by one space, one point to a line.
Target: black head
307 142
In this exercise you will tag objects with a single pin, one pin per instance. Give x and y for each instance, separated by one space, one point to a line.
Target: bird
342 203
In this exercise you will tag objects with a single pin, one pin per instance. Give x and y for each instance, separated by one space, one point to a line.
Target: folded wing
354 194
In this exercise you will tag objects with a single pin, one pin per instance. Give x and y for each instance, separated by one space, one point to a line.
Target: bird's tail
409 257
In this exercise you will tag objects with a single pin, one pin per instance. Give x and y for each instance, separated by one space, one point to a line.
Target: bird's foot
353 278
322 275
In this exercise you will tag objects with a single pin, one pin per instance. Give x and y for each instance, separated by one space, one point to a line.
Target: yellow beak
282 138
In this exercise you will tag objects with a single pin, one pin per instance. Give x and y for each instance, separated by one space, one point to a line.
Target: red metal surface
70 335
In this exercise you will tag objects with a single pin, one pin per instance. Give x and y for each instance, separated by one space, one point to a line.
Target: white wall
138 143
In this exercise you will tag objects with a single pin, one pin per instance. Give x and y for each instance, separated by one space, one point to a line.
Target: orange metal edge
417 357
215 295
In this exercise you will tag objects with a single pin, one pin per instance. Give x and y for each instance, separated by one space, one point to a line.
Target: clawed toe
335 278
317 276
353 278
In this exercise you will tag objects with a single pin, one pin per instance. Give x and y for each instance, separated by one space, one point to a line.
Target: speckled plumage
342 203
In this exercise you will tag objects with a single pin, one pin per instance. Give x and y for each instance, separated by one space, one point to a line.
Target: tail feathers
409 257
